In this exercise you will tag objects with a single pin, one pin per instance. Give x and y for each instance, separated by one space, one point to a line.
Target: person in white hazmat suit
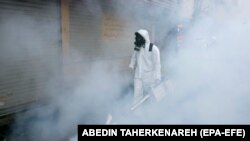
145 61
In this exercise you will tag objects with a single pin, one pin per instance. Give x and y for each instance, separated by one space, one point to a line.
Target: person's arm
132 64
157 63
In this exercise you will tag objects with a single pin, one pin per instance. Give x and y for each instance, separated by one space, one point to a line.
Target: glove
132 66
157 81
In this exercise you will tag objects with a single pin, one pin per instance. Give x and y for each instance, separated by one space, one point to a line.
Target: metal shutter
29 52
94 37
84 40
87 43
85 24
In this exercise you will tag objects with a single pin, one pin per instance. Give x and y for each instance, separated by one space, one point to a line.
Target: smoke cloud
209 73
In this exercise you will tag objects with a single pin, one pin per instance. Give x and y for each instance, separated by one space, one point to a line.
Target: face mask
139 40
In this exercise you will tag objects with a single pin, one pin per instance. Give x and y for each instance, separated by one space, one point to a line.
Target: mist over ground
209 73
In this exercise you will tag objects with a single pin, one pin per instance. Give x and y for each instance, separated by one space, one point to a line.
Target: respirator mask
139 41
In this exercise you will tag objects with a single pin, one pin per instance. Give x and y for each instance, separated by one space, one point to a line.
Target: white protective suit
147 68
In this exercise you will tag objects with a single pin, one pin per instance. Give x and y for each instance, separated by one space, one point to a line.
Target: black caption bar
169 131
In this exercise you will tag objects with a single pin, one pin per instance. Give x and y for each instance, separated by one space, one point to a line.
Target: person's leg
138 90
148 86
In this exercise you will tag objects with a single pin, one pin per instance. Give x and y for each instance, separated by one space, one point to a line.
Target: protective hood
145 35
